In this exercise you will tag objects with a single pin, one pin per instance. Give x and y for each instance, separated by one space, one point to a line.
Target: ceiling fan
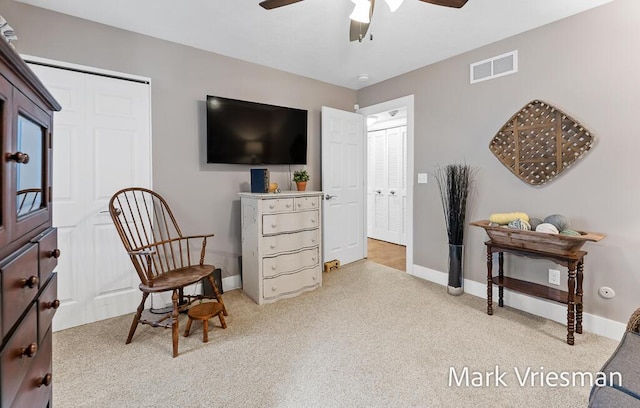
361 15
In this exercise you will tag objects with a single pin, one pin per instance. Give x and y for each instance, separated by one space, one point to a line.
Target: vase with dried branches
455 182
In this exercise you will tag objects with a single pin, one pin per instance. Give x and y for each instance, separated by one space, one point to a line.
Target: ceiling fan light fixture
360 12
394 4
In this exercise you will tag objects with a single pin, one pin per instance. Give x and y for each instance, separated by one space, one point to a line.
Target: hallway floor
386 253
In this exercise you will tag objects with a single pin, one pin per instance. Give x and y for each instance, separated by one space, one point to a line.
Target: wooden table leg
501 275
571 306
489 281
579 296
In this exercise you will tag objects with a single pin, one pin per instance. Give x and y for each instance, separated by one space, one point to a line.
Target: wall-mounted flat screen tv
242 132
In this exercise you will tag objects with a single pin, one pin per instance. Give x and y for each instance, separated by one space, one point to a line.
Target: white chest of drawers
281 244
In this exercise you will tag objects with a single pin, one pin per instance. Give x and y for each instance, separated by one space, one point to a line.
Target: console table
574 262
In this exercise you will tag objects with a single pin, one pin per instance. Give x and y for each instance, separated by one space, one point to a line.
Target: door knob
378 191
392 192
329 196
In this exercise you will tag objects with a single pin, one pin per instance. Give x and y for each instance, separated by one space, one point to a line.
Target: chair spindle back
149 232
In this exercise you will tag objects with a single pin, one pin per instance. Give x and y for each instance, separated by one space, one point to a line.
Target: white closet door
101 144
377 189
387 190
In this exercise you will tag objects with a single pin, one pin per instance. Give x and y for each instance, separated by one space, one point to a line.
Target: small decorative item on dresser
300 177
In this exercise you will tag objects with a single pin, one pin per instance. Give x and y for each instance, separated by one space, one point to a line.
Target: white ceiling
310 38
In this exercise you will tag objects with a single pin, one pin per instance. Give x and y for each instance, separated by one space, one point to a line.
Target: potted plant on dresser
300 177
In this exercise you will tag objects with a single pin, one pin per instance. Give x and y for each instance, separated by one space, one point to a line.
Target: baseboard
539 307
232 282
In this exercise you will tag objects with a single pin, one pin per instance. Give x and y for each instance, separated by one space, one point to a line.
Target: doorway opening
387 253
389 182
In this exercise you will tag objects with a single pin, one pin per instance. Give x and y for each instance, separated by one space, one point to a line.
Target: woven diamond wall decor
539 142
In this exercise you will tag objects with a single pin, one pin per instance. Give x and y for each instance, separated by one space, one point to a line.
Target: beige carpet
370 337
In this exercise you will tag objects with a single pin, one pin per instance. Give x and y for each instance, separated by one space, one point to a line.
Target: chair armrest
199 236
143 252
204 244
634 322
169 245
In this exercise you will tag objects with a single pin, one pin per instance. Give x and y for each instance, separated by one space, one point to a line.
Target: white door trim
407 101
84 68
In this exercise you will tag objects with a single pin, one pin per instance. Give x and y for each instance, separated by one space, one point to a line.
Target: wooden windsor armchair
163 258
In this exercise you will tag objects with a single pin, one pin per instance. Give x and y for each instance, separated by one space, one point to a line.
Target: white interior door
387 187
101 143
343 165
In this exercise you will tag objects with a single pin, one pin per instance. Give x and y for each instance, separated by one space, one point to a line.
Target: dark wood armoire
28 242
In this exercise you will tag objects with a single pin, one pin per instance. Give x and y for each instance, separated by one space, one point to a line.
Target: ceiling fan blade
271 4
358 30
447 3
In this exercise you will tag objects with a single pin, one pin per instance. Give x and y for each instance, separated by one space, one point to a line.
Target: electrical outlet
554 276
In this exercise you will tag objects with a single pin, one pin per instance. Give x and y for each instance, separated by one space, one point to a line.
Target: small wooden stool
204 312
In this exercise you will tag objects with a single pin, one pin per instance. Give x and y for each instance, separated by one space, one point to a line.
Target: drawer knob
314 277
18 157
273 267
31 282
55 253
46 380
299 204
272 206
288 205
273 246
29 351
273 288
313 239
53 305
273 225
313 220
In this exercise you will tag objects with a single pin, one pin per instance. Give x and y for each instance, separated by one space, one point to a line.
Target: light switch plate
422 178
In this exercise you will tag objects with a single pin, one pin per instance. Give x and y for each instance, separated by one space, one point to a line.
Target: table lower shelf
534 289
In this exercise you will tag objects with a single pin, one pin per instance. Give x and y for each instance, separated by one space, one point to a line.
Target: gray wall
586 65
204 197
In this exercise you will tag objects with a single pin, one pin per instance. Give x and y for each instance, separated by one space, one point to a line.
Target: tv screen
241 132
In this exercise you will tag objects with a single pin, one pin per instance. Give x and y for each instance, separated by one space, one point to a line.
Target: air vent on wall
494 67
